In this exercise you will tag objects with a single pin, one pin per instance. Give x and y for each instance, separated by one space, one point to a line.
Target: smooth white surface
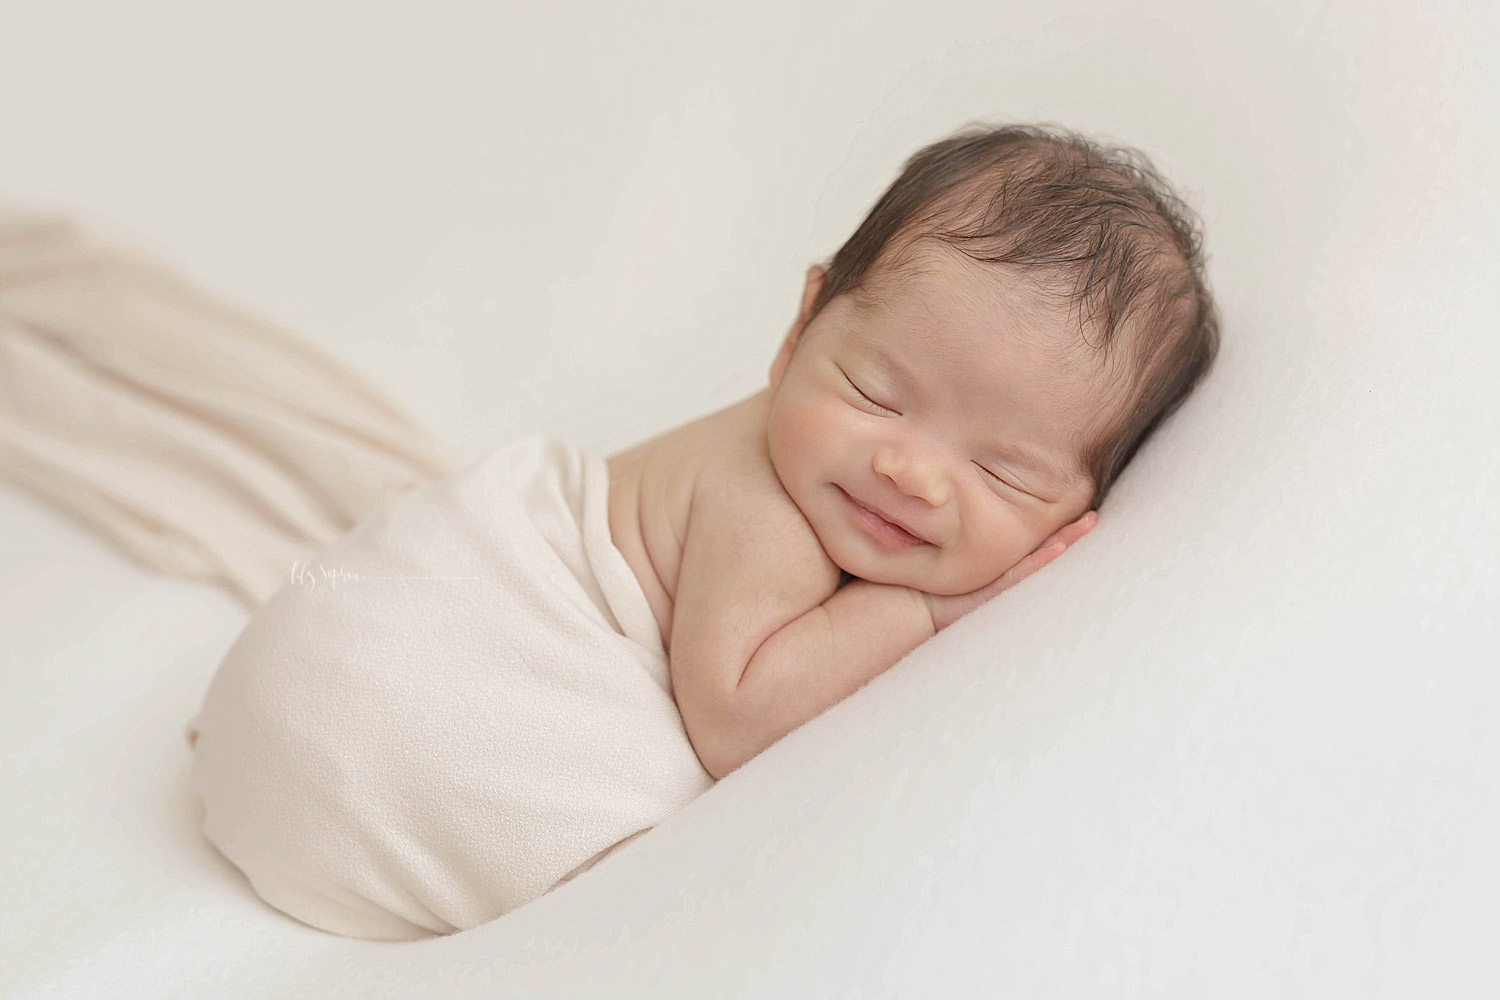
1239 742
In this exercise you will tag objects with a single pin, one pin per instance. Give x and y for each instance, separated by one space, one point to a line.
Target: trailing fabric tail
200 438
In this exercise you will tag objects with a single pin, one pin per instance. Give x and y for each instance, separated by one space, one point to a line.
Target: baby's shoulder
719 459
709 484
738 502
732 465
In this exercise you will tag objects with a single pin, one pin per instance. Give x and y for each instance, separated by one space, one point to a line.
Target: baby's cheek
978 566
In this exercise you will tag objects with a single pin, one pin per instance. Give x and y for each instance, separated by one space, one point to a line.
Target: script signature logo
304 575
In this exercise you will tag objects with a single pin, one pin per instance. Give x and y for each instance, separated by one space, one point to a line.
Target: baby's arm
824 655
762 639
750 565
859 632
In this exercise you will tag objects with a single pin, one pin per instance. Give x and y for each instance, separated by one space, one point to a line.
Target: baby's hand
946 609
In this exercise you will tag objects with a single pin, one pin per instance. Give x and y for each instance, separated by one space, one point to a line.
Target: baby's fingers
1039 557
1070 533
1054 546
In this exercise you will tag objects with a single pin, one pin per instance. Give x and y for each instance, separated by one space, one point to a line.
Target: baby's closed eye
866 396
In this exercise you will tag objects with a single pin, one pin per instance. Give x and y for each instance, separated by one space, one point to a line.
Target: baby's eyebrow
894 365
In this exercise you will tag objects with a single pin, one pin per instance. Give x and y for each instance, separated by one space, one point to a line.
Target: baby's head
982 358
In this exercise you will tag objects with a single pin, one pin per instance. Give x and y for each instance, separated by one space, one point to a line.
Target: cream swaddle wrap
451 693
447 711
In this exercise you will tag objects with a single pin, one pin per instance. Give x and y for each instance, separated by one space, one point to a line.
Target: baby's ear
810 289
811 286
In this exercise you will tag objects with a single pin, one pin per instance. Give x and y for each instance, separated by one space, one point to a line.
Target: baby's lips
889 520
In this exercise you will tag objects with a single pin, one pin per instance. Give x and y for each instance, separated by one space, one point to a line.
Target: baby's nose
913 473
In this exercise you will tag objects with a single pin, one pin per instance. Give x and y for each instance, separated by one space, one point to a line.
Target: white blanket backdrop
1239 742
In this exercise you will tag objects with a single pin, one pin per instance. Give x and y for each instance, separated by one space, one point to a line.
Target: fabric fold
202 439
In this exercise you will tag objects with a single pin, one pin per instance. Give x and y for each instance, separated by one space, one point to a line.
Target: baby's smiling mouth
886 530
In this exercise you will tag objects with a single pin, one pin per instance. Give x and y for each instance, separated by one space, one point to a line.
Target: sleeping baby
505 676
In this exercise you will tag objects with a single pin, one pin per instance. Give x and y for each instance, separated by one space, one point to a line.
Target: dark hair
1096 222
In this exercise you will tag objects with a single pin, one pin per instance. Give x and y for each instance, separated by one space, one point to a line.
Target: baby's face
928 438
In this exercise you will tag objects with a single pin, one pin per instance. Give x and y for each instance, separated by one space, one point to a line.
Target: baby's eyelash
998 479
862 393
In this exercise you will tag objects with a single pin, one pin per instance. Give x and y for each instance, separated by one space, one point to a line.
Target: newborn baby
394 756
960 388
